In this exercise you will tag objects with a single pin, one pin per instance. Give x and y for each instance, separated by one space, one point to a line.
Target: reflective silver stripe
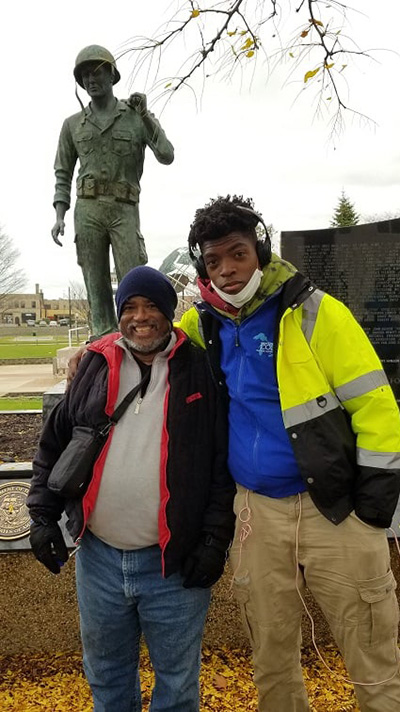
200 328
310 311
363 384
381 460
312 409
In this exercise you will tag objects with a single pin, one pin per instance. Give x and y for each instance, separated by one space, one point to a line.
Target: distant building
56 309
23 309
19 309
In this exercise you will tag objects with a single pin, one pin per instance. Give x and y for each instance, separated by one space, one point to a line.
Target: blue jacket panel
261 457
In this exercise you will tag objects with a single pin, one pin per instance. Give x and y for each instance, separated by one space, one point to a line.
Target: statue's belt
93 187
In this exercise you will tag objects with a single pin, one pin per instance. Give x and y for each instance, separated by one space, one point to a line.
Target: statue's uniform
111 158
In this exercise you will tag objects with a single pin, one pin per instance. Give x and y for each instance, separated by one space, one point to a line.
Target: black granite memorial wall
359 265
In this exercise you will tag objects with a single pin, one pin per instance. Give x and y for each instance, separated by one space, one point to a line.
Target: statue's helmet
95 53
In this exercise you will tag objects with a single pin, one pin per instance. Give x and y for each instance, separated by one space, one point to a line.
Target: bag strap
120 410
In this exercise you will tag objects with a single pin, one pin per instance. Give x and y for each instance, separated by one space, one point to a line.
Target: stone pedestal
60 362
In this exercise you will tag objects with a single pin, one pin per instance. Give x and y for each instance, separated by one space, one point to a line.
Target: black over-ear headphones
263 247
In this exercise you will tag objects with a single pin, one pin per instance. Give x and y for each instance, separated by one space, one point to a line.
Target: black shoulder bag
72 473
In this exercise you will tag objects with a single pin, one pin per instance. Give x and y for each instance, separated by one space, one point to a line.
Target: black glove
48 544
205 565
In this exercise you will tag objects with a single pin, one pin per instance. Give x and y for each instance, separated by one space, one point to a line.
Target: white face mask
245 294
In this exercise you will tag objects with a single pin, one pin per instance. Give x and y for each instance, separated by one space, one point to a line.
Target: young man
314 448
157 518
108 138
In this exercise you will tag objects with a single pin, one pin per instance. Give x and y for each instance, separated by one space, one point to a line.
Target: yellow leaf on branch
311 74
195 13
248 43
250 54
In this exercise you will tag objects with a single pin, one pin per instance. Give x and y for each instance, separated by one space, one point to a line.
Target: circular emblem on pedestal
14 514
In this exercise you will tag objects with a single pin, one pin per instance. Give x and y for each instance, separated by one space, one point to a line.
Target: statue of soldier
109 137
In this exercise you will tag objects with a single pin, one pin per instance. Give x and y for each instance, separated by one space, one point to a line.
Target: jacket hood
275 274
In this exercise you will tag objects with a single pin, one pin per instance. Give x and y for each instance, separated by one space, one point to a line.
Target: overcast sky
258 141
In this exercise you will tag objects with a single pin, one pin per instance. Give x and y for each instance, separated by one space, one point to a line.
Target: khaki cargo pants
346 567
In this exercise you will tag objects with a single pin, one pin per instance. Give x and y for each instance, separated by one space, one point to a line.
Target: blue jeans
122 594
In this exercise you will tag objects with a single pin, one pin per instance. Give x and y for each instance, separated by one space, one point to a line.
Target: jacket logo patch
193 397
265 346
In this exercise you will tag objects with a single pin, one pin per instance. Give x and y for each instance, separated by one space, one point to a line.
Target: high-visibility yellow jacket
337 406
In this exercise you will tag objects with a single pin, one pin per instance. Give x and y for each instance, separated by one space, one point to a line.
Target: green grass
38 338
34 349
34 403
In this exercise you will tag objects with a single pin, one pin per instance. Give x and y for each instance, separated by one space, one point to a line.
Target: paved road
33 378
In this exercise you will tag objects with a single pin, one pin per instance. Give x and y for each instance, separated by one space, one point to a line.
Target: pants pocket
242 595
378 610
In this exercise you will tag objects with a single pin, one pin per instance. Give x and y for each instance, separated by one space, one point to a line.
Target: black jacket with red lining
196 489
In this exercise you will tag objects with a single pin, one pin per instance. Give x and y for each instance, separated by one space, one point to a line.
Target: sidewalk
28 378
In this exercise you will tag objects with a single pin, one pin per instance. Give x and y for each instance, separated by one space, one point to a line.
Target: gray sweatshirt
126 511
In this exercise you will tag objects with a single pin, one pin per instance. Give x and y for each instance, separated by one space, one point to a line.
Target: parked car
30 322
53 323
42 322
63 322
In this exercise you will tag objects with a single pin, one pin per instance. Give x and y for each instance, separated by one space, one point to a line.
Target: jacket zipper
237 325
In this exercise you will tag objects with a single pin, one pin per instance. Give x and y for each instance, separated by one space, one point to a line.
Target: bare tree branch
232 34
12 279
79 302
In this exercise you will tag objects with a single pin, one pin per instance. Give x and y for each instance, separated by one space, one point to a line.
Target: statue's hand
58 229
138 102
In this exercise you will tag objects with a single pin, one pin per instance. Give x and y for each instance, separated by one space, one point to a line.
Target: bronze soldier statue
109 138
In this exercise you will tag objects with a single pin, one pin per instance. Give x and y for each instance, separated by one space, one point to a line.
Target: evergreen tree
345 214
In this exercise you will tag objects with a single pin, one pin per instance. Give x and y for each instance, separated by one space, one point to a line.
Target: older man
156 520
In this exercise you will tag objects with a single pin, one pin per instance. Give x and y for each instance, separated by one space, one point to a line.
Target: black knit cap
150 283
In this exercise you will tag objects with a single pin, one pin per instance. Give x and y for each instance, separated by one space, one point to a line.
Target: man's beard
158 344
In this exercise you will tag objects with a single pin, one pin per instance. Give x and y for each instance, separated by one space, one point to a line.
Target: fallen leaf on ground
56 683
